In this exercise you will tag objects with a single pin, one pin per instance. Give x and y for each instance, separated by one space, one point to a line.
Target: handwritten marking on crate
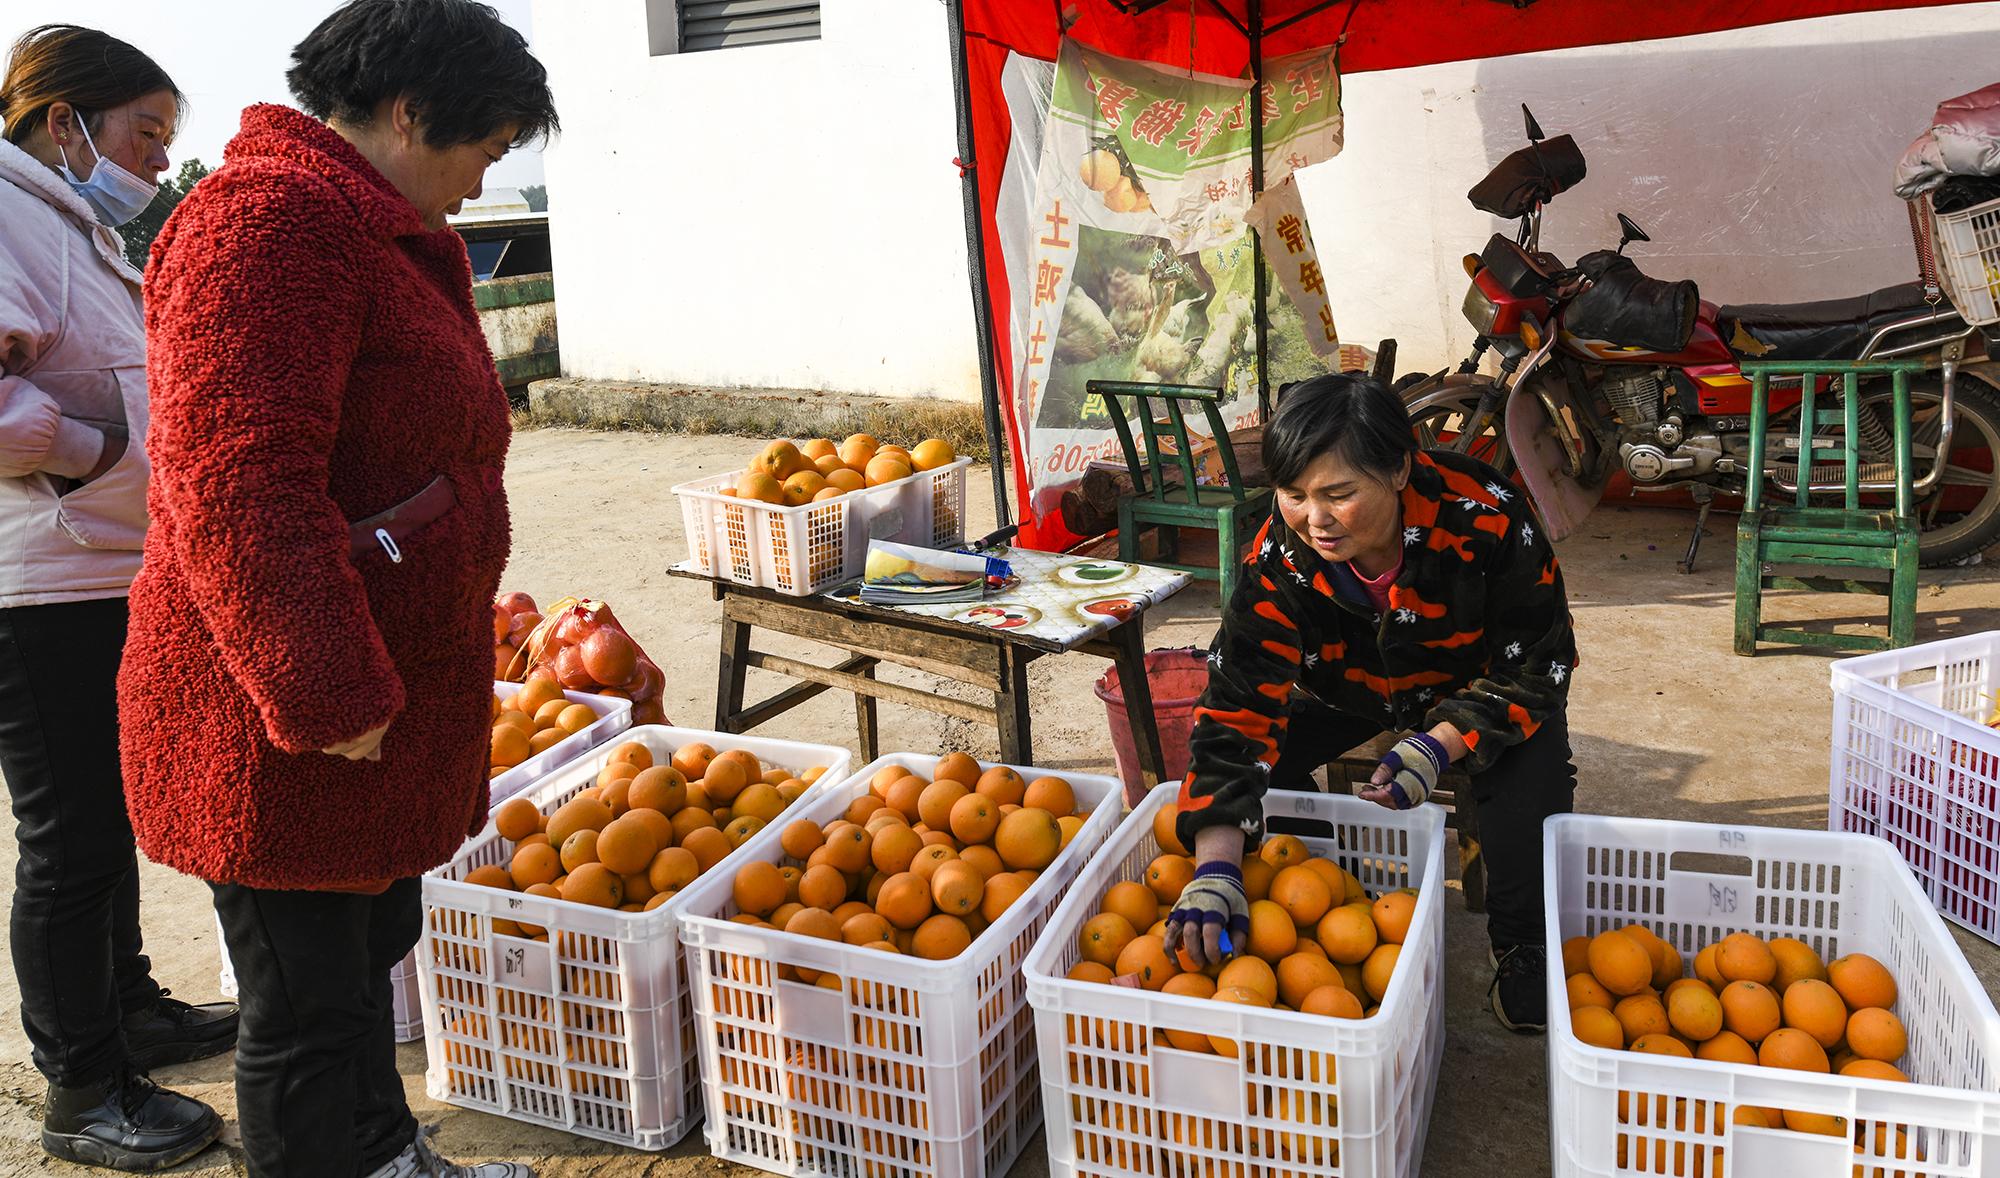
526 965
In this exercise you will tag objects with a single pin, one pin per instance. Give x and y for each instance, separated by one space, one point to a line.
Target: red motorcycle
1606 372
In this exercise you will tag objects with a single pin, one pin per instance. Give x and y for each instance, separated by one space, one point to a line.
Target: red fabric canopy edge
1381 35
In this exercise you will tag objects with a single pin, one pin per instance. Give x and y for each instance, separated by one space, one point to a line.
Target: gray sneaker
419 1160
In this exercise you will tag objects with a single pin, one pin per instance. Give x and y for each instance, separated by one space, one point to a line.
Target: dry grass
756 415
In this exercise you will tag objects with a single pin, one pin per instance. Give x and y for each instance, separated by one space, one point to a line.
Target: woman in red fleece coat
306 686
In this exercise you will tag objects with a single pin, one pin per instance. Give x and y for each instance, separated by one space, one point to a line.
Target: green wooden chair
1838 539
1231 511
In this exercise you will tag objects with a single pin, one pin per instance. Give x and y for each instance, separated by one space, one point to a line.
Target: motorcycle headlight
1480 311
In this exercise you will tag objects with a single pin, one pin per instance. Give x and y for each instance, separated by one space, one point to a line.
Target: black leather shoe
127 1123
172 1031
1519 994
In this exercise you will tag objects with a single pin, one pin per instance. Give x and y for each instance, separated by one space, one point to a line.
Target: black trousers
317 1091
1530 781
75 932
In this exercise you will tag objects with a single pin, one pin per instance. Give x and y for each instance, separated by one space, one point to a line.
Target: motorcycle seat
1826 330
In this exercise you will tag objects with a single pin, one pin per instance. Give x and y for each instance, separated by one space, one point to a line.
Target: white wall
787 216
1757 160
774 215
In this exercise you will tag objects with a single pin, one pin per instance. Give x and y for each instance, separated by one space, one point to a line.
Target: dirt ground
1666 723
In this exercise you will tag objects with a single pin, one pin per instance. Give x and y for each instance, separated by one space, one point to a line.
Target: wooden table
995 660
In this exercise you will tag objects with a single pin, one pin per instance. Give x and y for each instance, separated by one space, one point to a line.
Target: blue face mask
113 193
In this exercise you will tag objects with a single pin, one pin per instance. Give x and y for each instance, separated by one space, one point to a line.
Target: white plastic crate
614 716
1621 1113
914 1067
589 1032
1306 1096
802 550
1968 257
1915 763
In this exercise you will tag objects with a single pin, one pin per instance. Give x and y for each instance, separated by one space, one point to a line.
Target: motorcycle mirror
1534 128
1631 232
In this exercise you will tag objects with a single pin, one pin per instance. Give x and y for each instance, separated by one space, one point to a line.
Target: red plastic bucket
1177 679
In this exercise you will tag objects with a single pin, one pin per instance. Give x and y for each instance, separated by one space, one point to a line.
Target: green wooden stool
1231 511
1838 539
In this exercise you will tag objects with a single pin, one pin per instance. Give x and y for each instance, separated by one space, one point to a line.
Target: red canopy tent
1233 38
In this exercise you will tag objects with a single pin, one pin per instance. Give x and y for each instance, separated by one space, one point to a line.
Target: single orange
1744 957
958 767
1273 935
1002 890
517 818
1302 893
1134 901
941 938
1392 915
905 901
1030 839
1250 973
758 889
1167 875
1620 962
973 818
1727 1047
1789 1047
1145 958
1875 1033
1301 973
1751 1010
1862 982
957 888
1597 1026
1052 794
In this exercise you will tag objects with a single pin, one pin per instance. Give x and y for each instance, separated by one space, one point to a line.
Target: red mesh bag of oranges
580 646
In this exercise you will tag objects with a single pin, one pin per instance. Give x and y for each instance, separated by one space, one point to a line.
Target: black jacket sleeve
1239 725
1531 648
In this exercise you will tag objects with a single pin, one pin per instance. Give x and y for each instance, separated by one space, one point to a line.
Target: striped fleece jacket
1477 634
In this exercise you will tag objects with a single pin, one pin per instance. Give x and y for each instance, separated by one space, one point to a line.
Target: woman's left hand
1410 771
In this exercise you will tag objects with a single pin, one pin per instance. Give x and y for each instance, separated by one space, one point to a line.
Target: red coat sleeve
254 317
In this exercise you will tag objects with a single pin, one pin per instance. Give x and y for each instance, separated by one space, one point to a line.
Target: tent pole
975 242
1255 19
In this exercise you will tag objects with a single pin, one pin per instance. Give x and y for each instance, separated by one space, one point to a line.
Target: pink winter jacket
72 360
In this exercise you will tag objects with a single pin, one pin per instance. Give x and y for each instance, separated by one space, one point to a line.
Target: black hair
465 72
1347 414
92 71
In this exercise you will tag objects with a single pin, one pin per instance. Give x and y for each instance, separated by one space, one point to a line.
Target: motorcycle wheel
1949 536
1439 417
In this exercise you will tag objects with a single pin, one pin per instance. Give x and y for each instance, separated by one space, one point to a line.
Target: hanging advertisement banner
1138 264
1279 217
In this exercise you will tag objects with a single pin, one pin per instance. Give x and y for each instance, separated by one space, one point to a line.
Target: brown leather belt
387 530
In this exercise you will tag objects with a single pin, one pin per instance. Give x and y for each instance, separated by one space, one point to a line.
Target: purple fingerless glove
1214 899
1416 763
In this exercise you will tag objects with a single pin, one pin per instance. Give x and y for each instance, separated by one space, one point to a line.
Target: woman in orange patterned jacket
1393 589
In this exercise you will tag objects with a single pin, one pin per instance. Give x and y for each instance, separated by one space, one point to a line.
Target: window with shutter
726 24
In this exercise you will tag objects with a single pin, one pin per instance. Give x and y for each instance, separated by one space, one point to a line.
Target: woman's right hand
1211 920
366 747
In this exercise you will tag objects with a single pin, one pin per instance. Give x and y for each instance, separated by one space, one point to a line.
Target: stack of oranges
532 721
1750 1001
789 475
914 866
642 833
1317 943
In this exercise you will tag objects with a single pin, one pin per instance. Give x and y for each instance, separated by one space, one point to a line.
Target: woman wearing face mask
1394 589
329 531
87 119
